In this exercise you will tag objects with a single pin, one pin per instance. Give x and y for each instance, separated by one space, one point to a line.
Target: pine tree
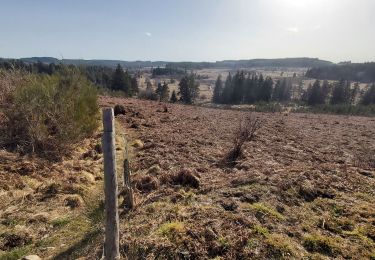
218 90
238 86
188 88
120 80
314 94
250 85
227 91
341 93
159 89
173 97
264 89
282 90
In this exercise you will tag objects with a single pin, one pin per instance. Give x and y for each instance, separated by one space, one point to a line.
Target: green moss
60 222
171 229
261 230
266 210
321 244
360 233
279 246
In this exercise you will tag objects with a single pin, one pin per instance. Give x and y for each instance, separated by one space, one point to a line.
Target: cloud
148 34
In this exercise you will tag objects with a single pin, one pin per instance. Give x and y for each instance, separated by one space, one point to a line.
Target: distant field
207 84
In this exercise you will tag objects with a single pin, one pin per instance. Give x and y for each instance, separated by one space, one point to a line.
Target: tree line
188 90
243 88
338 93
167 71
250 88
362 72
105 77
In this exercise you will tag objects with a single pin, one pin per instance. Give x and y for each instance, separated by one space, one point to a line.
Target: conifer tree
238 86
250 91
218 90
159 89
264 89
341 93
173 97
188 88
314 94
120 80
227 91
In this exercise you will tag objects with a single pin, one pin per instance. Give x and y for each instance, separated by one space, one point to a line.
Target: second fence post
111 242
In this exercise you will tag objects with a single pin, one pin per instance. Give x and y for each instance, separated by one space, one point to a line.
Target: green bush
46 114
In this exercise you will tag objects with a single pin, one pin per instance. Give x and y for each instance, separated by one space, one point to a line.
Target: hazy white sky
197 30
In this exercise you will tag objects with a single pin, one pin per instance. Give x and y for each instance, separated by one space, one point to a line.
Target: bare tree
245 132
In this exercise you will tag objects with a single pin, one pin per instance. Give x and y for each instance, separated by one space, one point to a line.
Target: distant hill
254 63
235 64
363 72
107 63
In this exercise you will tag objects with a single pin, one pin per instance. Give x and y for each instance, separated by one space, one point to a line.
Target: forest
360 72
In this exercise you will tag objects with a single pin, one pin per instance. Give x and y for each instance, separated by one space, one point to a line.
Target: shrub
119 110
244 133
45 114
148 94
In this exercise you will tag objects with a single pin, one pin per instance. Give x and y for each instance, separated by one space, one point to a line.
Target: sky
188 30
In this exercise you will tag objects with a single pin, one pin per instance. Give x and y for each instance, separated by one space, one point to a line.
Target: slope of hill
304 188
254 63
233 64
362 72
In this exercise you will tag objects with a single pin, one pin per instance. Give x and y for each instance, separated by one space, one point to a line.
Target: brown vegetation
296 192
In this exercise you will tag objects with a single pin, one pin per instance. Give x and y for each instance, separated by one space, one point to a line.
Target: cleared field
304 188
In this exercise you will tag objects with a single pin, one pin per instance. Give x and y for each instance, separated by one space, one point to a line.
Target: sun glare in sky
189 29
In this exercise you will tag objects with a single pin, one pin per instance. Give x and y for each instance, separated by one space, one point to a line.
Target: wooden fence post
111 241
129 197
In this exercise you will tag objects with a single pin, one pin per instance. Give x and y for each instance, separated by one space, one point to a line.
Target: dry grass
296 192
297 174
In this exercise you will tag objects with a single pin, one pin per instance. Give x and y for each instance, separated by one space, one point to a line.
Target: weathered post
111 241
129 197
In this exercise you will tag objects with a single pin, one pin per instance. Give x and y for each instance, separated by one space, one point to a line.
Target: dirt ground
303 189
